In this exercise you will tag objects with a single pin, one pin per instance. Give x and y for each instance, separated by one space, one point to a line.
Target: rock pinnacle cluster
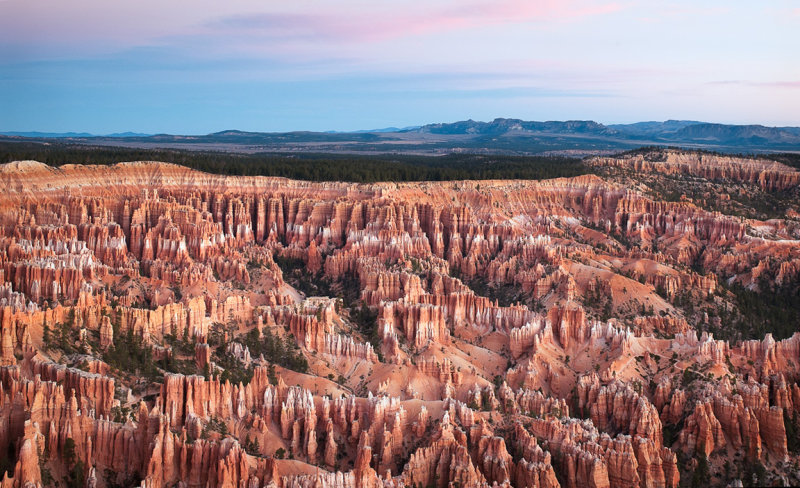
164 327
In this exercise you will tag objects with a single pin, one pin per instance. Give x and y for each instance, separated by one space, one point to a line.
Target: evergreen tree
46 335
701 473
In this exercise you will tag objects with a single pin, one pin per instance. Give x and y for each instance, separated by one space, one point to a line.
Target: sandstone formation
770 175
165 327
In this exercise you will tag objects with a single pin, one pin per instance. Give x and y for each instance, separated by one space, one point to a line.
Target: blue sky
201 66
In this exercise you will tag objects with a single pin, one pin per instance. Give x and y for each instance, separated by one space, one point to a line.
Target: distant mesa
502 126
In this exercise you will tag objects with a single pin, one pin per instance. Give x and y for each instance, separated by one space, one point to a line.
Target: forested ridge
312 167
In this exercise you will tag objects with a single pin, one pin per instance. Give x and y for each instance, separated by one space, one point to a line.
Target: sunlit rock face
166 327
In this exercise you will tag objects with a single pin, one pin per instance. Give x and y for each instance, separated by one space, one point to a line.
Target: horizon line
136 133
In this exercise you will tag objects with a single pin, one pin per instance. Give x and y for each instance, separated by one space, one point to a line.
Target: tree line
308 166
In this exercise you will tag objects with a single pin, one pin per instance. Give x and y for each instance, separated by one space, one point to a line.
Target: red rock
106 333
769 175
702 431
134 235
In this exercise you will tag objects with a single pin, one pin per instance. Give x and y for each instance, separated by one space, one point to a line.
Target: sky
200 66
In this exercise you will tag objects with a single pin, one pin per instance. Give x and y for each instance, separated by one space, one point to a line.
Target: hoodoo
167 327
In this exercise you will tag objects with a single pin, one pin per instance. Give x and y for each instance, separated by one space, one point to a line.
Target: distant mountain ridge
502 126
736 133
501 135
667 131
653 127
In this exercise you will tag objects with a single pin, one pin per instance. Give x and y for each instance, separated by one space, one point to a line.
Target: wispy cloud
380 24
788 84
84 27
294 61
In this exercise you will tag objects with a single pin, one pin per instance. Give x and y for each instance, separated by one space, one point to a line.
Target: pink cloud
788 84
376 25
78 28
780 84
